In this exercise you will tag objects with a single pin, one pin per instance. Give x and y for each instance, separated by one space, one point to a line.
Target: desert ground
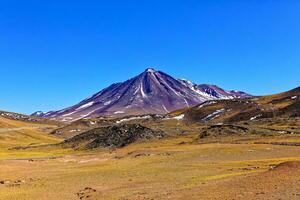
182 166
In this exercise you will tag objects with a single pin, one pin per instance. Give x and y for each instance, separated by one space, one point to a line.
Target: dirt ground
239 167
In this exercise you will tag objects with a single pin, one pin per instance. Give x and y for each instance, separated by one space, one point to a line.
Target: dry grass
157 169
176 167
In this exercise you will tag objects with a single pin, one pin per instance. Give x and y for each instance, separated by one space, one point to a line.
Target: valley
178 166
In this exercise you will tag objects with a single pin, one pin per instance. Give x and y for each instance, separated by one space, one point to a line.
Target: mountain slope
22 130
25 118
152 92
282 105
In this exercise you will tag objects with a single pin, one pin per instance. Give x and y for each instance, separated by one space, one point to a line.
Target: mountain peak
150 70
38 113
152 92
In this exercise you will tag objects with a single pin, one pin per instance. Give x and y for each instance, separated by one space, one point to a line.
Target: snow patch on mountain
133 118
214 115
85 105
179 117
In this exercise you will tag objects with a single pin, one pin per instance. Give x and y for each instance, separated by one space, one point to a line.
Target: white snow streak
179 117
164 107
68 114
142 91
107 103
214 114
119 112
85 105
133 118
255 117
294 97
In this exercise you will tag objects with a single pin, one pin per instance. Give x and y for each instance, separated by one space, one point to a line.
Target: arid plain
179 166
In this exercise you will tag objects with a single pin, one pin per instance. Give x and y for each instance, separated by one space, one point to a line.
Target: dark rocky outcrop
111 136
223 130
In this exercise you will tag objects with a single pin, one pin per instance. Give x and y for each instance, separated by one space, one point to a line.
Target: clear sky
54 53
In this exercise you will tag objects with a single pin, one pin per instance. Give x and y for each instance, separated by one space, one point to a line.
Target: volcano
151 92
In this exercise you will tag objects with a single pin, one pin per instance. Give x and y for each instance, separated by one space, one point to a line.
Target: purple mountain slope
151 92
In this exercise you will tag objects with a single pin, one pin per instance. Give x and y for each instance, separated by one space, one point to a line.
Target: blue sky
56 53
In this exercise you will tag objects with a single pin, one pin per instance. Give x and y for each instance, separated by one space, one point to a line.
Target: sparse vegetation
240 160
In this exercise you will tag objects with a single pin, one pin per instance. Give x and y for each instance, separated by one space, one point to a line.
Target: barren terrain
180 166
